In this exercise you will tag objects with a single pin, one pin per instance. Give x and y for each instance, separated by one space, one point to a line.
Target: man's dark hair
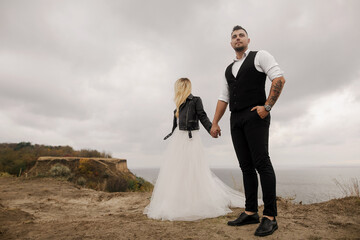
237 27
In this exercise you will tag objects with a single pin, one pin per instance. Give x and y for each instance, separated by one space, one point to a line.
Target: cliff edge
106 174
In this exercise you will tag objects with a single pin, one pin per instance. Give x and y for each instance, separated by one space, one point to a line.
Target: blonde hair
182 91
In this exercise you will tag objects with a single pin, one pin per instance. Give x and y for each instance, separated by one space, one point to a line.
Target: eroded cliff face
114 164
109 174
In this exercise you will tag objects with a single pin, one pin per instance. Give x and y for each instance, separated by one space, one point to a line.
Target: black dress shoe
245 219
266 227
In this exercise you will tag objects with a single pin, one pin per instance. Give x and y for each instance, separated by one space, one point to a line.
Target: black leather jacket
190 112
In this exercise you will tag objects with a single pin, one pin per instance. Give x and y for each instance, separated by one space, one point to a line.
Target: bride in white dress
186 189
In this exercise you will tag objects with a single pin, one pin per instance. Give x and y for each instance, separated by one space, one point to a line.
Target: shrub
133 185
139 184
59 170
116 185
92 185
87 167
5 174
81 181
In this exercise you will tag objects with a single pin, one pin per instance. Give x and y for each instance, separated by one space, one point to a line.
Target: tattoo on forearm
275 91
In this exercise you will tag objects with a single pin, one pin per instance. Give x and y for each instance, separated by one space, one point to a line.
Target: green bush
59 170
81 181
133 185
139 185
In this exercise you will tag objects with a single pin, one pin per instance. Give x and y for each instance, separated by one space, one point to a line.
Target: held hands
215 130
261 111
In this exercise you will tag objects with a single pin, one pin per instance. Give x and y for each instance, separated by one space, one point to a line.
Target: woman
186 189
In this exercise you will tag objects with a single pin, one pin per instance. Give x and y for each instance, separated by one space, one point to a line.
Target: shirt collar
244 56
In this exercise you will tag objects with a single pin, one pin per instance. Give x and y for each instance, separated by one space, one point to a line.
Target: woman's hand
215 130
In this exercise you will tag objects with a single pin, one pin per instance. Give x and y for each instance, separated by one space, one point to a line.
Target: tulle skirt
186 189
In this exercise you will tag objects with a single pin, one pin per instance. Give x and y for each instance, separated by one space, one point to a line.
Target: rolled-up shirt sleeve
224 94
266 62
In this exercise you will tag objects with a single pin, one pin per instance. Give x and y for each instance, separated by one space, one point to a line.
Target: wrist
267 107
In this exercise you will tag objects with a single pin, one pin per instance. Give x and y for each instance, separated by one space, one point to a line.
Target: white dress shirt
264 62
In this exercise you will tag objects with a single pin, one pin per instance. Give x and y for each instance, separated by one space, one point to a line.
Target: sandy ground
45 208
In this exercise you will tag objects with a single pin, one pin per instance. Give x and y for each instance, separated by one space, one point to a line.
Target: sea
301 185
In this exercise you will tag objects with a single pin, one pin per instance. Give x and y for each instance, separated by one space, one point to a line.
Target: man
244 90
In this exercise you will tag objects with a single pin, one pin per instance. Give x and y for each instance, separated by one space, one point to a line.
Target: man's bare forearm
220 110
275 91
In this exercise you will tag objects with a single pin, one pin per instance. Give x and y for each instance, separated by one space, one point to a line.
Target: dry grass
5 174
350 188
46 208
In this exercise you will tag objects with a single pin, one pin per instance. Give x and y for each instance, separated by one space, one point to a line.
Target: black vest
248 88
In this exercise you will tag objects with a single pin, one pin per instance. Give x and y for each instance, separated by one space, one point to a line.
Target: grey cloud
102 72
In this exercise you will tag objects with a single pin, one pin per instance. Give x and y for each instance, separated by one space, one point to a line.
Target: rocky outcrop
110 174
45 163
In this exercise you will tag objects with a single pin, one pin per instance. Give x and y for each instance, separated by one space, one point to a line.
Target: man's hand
275 90
215 130
261 111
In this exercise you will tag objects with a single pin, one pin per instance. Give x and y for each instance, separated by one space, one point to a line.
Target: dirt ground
46 208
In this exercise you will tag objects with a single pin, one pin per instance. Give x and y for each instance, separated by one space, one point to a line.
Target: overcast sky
100 74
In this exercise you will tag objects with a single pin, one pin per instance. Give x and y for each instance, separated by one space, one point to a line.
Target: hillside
17 158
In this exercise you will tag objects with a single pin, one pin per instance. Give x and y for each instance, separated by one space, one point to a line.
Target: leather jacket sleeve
174 122
205 121
173 128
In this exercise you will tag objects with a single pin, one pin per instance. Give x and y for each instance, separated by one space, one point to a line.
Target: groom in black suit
244 90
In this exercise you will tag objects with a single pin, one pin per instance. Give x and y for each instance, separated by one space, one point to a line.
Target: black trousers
250 136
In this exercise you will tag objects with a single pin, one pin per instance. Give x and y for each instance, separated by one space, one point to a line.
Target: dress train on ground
186 189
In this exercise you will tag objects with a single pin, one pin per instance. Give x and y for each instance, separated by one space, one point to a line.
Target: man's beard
239 49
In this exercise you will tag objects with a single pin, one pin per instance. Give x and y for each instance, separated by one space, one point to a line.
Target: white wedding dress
186 189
